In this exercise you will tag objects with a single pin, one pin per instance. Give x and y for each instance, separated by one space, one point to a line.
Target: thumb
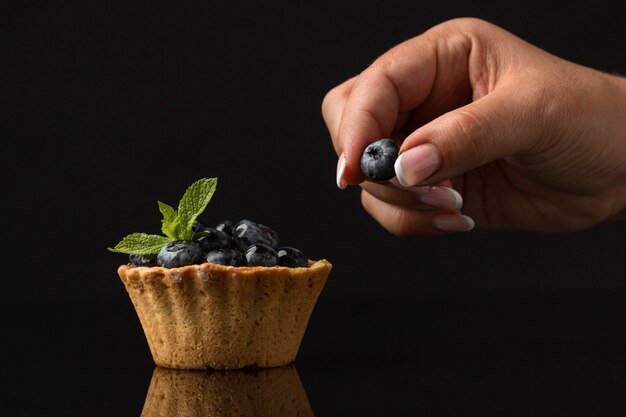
493 127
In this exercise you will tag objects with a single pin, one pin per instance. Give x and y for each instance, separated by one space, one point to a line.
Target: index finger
398 81
332 108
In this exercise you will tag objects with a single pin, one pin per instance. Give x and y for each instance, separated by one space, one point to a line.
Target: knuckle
331 98
470 24
337 95
403 225
383 63
469 132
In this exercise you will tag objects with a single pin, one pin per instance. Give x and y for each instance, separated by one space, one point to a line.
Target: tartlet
211 316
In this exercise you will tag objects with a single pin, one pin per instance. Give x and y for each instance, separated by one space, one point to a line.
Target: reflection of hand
261 392
529 140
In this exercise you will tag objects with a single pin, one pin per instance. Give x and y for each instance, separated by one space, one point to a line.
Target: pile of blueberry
244 243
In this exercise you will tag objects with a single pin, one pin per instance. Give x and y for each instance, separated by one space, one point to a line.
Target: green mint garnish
193 204
176 224
170 225
141 244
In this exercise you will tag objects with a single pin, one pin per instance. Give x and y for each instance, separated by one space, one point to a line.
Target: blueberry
226 226
291 257
142 260
197 225
226 257
261 254
180 253
378 159
210 239
272 234
248 233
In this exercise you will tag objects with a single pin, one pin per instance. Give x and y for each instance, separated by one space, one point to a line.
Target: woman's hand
528 141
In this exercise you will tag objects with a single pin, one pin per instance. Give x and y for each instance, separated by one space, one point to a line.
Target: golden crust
224 317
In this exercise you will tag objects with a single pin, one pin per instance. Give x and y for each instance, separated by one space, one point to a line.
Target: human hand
528 141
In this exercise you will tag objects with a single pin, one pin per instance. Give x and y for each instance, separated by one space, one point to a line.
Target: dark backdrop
114 105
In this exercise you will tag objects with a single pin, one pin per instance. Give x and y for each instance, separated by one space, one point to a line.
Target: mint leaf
193 203
170 224
141 244
176 224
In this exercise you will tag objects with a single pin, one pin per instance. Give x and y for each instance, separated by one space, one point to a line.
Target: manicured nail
417 190
417 164
453 223
443 198
341 167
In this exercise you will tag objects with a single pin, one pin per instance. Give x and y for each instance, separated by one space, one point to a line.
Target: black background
115 105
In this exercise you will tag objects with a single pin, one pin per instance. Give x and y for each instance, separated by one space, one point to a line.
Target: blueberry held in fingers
378 159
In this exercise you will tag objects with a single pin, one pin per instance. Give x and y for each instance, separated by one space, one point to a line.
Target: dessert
205 302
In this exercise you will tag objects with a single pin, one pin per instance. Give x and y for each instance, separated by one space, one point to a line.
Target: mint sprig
176 224
193 203
141 244
170 225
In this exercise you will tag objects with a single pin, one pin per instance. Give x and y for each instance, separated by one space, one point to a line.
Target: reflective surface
559 354
262 392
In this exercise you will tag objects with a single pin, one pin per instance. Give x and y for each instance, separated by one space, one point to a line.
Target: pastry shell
212 316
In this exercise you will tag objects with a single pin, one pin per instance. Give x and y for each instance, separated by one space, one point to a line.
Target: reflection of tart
223 317
275 392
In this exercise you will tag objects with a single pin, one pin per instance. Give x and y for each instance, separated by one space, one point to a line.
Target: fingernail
417 190
443 198
417 164
453 223
341 167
